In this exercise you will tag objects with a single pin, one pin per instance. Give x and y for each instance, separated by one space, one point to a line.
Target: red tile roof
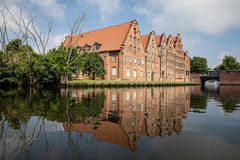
110 38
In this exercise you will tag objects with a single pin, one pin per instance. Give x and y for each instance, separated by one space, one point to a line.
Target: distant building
129 56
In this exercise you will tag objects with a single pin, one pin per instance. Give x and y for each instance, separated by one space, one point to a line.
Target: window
141 73
149 74
128 72
138 50
96 46
152 43
139 61
135 61
126 58
114 58
134 49
114 97
114 71
142 61
130 47
86 48
135 40
134 96
135 30
138 40
135 73
127 96
78 49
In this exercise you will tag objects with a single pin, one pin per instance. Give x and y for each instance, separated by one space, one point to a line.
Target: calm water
128 123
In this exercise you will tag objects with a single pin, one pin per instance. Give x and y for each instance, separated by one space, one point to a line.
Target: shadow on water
70 123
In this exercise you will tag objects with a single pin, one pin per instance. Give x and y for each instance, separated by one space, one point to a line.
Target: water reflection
227 96
129 113
74 124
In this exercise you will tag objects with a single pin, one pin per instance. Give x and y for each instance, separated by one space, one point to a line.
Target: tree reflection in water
52 124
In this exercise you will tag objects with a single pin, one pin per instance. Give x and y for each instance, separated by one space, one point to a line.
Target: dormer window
79 49
96 46
87 47
135 30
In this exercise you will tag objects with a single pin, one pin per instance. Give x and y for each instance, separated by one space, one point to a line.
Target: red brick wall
230 78
195 77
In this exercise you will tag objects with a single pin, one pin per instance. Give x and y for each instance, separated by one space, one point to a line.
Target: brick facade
230 78
196 77
129 56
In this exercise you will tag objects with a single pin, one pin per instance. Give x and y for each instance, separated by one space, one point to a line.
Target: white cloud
212 17
53 7
14 7
105 8
55 40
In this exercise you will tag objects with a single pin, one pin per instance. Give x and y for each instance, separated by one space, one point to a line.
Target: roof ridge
103 28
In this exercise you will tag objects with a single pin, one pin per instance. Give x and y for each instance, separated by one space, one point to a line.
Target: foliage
17 106
198 104
199 65
92 65
20 65
62 62
229 63
229 104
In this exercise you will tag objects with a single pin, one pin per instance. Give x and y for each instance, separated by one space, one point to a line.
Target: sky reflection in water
123 123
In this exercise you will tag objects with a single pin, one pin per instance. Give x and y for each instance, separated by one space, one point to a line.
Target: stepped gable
109 38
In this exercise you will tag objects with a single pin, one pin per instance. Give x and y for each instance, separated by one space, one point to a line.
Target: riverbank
119 83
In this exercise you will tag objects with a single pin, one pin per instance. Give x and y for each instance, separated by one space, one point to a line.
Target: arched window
114 71
135 30
134 73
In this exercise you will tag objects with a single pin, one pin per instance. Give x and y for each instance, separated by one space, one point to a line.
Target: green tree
199 65
20 65
229 63
92 65
62 62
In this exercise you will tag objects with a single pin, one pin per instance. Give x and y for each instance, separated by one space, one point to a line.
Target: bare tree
27 28
4 39
71 42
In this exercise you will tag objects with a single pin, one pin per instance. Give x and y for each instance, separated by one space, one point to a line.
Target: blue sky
209 28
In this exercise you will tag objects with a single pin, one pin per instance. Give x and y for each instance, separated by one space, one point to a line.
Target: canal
120 123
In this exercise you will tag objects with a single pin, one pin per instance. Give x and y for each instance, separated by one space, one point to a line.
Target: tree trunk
64 79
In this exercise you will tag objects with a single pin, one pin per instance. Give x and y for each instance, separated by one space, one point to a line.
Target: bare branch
29 31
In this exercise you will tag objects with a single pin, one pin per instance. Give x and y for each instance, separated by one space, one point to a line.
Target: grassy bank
118 83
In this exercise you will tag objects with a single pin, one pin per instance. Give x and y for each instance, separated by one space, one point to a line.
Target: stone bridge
225 77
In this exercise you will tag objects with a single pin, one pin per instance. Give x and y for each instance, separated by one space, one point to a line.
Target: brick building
129 56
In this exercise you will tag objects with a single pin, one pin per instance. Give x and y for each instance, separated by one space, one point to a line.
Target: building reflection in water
130 113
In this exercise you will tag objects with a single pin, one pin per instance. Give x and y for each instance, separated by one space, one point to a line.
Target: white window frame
128 72
114 71
134 73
